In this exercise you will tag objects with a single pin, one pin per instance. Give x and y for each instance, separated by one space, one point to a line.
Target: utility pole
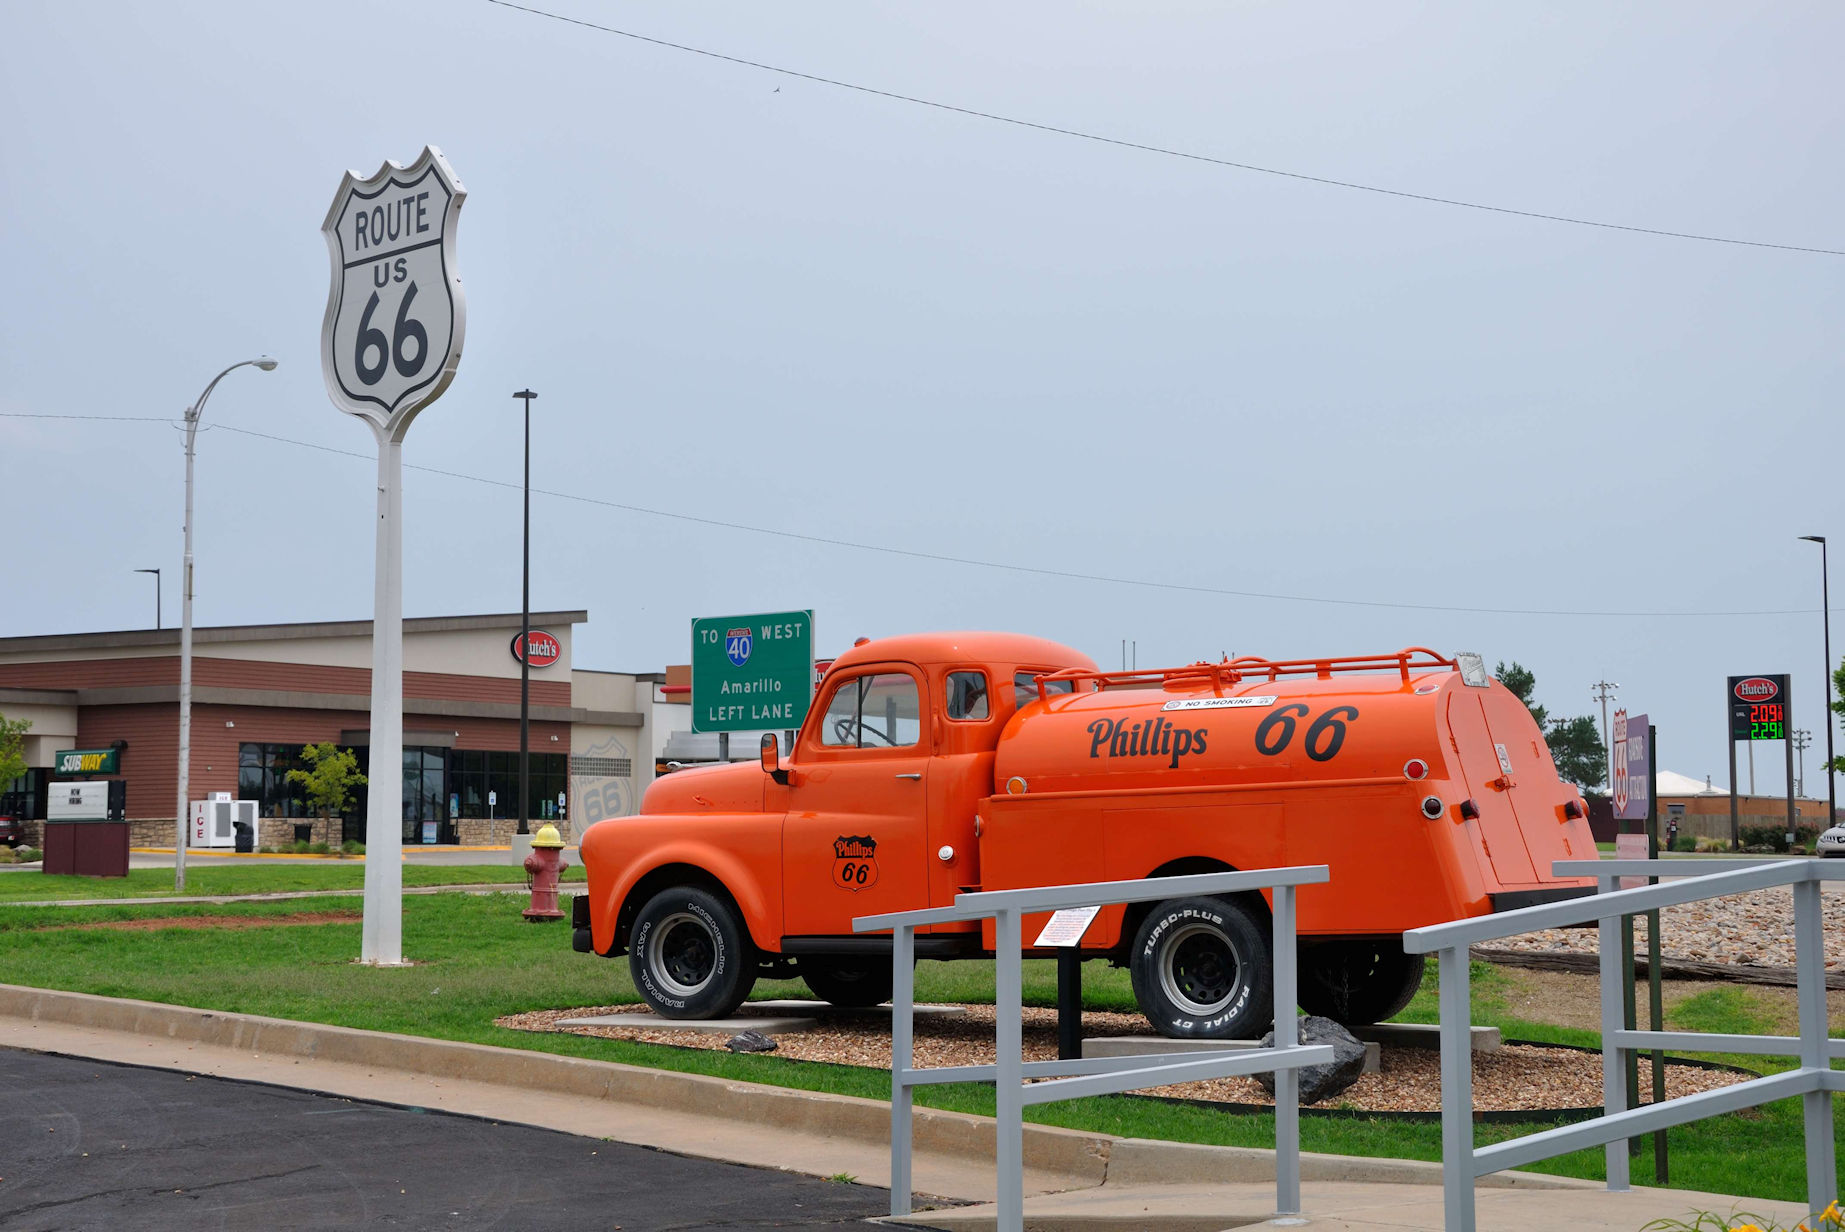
1802 738
1603 691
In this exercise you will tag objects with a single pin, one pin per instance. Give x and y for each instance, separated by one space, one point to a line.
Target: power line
1168 151
942 557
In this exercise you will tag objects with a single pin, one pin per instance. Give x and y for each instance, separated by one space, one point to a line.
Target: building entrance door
426 819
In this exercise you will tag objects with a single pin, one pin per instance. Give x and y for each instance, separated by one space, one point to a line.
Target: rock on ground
1318 1082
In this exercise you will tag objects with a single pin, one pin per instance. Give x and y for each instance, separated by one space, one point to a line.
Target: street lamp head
1814 538
265 363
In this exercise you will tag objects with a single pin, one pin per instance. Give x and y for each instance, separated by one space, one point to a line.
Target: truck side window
967 695
882 710
1025 686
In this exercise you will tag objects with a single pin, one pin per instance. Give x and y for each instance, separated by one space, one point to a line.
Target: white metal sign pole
383 934
389 346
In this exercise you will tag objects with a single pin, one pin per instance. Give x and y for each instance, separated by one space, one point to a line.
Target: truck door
855 836
1497 826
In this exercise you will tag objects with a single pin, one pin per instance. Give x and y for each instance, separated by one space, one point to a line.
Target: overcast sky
762 300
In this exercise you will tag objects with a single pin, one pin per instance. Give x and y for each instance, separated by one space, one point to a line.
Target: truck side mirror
772 759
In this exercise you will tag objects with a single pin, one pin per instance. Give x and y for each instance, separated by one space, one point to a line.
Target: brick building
260 692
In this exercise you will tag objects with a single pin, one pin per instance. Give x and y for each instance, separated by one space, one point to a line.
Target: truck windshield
877 711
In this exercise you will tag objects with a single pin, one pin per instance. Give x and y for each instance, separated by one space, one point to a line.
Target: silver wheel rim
672 953
1188 959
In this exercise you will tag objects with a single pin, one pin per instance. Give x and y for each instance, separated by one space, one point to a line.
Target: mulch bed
1516 1078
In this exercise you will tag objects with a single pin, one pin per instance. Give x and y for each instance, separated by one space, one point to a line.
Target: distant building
260 692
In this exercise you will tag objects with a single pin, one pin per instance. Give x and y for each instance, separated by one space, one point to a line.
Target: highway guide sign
395 315
752 673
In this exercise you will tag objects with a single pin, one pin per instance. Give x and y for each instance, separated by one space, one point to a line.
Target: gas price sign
1758 707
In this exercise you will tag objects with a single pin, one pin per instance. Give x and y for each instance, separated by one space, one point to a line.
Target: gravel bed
1516 1078
1744 929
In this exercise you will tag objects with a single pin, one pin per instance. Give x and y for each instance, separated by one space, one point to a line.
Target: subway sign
84 761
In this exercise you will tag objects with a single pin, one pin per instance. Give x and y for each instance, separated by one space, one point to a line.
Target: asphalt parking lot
87 1144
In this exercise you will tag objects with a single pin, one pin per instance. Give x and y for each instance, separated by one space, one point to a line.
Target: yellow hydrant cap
547 836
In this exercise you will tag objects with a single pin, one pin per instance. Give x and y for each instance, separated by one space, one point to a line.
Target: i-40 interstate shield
395 316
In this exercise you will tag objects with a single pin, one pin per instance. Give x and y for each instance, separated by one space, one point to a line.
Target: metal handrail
1073 1079
1814 1081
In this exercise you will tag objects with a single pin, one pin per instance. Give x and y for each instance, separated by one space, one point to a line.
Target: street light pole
193 413
525 633
1825 605
156 574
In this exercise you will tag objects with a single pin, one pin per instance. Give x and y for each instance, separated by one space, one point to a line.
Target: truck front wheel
851 982
689 954
1358 982
1201 969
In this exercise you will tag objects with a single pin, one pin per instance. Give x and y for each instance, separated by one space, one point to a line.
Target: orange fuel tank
1428 789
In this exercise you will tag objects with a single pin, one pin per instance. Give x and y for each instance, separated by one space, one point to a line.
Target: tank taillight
1432 807
1415 768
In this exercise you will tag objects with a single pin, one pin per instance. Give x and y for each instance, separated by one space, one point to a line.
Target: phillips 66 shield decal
395 315
855 862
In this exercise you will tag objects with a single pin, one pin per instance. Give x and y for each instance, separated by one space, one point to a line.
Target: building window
262 776
24 797
477 776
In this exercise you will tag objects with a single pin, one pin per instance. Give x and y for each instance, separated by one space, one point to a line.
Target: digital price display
1758 707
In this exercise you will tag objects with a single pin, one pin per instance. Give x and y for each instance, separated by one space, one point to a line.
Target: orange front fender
739 851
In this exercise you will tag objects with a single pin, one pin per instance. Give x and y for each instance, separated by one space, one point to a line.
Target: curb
1086 1158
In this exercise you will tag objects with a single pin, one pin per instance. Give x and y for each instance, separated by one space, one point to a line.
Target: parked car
12 831
1832 842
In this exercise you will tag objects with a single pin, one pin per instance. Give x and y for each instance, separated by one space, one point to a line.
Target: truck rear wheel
851 982
689 954
1201 969
1358 982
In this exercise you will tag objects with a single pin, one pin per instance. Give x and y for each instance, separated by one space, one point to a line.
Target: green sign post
84 761
752 673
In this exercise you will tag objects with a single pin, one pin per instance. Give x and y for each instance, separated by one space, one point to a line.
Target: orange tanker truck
934 764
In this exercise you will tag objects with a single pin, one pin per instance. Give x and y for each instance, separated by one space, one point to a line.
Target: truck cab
934 764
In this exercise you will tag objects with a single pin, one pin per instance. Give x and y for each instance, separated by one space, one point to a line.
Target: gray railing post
1008 1123
1456 1089
1810 972
902 1061
1287 1034
1614 1074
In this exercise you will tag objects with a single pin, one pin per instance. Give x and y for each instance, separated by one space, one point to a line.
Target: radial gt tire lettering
689 954
1202 969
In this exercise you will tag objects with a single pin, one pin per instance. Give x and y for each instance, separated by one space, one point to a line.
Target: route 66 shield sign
395 316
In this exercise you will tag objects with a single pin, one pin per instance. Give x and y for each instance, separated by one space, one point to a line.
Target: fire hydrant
543 869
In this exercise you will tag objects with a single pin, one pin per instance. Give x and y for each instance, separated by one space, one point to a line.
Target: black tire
854 983
689 954
1203 969
1358 982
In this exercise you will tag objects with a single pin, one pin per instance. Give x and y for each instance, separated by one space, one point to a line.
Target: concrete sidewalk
1073 1179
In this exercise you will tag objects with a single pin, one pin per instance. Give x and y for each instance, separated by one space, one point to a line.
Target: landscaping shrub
1772 837
353 847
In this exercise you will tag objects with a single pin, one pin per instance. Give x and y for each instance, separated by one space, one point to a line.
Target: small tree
331 774
12 748
1575 744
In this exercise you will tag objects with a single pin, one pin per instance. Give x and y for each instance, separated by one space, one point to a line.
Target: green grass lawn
257 877
478 959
